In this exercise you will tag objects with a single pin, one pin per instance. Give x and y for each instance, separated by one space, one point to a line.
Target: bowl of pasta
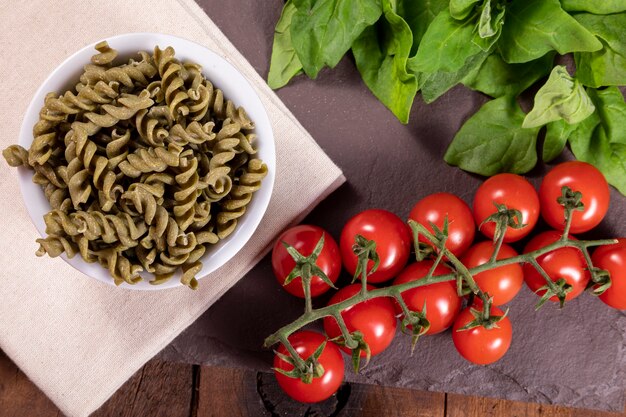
146 161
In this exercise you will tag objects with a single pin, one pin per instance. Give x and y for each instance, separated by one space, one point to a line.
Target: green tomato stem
364 261
502 225
544 274
299 362
436 263
568 222
405 309
347 337
306 285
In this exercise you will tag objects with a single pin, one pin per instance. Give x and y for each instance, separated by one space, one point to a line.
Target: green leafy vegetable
445 45
487 22
284 63
561 97
534 27
419 14
601 140
461 9
557 133
496 78
322 31
595 6
493 140
607 66
434 85
381 54
490 25
498 47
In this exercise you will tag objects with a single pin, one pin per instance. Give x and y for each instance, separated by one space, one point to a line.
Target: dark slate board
574 357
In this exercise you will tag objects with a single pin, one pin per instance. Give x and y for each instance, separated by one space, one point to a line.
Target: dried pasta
145 164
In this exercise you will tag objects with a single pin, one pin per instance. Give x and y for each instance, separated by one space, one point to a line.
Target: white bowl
219 72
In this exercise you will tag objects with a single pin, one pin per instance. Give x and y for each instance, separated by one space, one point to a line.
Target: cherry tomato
442 302
480 345
393 242
501 283
304 238
579 176
514 192
374 318
305 343
566 263
613 259
435 207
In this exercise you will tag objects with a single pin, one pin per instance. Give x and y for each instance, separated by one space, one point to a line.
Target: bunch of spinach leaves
497 47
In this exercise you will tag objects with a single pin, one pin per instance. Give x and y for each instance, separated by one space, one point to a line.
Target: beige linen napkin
76 338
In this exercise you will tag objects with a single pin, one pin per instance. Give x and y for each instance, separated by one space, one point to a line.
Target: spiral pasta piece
54 246
150 160
238 115
187 191
235 206
145 165
126 75
119 266
106 54
16 156
172 83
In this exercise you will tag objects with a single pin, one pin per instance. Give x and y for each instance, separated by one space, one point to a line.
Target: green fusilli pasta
145 165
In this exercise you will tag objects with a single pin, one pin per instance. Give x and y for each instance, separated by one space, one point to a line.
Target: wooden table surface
183 390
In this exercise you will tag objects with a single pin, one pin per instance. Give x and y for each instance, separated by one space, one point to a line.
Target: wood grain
164 389
377 401
159 389
228 392
18 396
466 406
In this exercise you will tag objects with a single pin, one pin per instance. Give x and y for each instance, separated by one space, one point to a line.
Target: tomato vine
365 250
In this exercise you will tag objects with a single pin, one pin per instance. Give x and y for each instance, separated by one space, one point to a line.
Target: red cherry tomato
305 343
566 263
613 259
304 238
435 207
393 242
501 283
514 192
374 318
579 176
480 345
442 302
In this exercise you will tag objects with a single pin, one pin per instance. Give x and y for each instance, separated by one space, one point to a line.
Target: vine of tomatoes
375 246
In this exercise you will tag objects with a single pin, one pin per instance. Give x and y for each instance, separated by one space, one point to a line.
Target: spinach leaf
594 6
434 85
557 133
381 54
561 97
607 66
284 64
534 27
493 140
445 46
490 23
461 9
322 31
601 140
419 14
496 78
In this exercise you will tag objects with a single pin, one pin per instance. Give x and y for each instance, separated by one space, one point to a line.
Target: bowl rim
33 196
